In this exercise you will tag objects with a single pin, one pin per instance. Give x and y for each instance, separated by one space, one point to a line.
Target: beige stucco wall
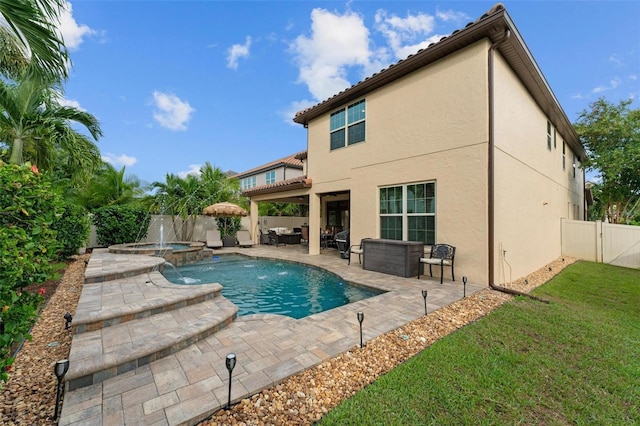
428 126
532 191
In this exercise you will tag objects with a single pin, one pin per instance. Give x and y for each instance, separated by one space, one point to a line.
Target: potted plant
229 227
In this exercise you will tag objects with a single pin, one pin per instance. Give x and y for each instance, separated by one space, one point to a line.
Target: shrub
228 226
73 229
28 209
120 224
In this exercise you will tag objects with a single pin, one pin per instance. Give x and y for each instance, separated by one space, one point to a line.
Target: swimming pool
259 285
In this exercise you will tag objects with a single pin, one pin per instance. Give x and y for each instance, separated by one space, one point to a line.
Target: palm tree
110 187
31 25
38 129
181 198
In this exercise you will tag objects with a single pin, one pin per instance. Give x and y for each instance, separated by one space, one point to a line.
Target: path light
424 296
67 319
464 286
230 362
360 319
60 370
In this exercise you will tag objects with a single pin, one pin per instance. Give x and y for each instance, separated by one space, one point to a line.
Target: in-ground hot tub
176 252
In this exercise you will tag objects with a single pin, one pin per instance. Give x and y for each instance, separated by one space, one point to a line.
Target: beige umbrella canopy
224 210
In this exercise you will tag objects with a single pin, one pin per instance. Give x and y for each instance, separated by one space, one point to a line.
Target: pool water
258 285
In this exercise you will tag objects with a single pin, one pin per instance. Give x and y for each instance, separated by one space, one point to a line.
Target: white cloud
194 169
72 34
171 112
336 43
293 108
236 52
452 16
612 85
62 101
119 160
406 36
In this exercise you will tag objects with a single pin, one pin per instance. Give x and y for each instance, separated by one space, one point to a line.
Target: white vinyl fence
602 242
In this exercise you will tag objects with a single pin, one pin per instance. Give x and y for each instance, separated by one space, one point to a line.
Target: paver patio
187 385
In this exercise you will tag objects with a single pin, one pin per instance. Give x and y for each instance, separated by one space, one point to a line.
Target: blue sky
178 83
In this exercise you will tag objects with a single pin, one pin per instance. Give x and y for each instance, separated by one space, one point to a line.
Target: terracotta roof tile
289 161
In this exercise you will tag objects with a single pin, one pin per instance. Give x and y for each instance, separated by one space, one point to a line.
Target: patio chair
274 239
341 240
213 239
356 249
244 238
441 254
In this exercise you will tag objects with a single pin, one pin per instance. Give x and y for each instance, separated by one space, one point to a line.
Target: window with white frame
574 165
408 212
548 135
271 176
564 155
347 125
248 182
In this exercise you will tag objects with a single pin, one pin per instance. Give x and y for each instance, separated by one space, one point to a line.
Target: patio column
254 222
314 224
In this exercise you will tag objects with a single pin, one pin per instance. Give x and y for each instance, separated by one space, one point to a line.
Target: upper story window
574 165
271 176
554 139
347 125
548 135
564 155
248 182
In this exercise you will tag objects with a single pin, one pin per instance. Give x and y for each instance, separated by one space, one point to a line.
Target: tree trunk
16 151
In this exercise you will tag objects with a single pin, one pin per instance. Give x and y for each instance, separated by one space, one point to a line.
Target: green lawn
573 361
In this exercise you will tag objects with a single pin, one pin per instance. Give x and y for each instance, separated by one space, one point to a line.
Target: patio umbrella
225 210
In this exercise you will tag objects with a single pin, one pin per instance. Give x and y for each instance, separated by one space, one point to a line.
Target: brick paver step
118 301
101 354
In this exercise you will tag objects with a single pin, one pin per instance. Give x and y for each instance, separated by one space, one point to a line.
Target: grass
573 361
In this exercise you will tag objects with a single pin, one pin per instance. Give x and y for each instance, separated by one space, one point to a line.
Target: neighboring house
268 174
462 143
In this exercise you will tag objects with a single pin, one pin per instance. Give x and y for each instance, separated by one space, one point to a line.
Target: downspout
491 177
491 169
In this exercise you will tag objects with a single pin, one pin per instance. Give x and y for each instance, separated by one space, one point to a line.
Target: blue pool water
271 286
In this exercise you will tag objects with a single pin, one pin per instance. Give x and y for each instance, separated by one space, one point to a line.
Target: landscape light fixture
230 362
360 319
464 286
67 319
424 296
60 370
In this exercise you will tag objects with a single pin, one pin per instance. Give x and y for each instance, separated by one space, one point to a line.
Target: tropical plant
28 209
12 60
31 29
611 135
73 228
110 187
37 128
185 198
121 224
283 209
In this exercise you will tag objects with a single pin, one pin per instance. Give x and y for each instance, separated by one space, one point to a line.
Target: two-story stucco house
283 169
462 143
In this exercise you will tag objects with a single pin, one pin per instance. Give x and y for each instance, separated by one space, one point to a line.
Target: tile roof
292 161
293 183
